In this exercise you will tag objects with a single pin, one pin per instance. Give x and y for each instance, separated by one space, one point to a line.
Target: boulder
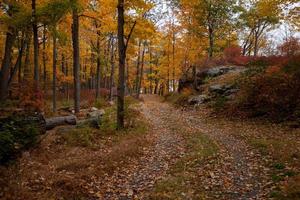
94 109
93 119
96 113
198 99
218 71
231 92
221 89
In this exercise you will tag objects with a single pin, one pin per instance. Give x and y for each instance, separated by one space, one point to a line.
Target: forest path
182 155
237 172
137 179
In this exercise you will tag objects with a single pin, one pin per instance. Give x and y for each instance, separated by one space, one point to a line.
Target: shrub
291 47
132 115
241 60
179 99
101 103
79 137
18 132
232 52
30 98
219 103
270 92
292 65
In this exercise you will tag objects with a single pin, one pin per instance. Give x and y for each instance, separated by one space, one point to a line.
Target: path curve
239 172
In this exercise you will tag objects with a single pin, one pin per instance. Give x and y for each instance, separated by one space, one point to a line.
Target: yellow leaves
267 8
139 6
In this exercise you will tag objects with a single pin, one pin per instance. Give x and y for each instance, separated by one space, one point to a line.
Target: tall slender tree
35 44
54 71
76 56
122 58
112 70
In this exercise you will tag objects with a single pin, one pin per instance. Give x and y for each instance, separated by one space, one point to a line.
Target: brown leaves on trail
184 155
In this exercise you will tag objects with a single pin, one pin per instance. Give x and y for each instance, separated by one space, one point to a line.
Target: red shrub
232 52
291 47
273 93
31 99
241 60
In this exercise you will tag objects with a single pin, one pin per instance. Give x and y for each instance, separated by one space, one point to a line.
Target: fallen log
60 121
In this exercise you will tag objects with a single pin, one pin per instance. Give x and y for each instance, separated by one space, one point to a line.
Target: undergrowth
178 99
16 134
85 136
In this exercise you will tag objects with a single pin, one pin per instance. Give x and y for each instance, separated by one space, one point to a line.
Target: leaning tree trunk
76 60
122 58
4 74
18 63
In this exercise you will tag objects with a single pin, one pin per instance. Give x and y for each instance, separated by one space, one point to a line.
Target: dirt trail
239 172
135 180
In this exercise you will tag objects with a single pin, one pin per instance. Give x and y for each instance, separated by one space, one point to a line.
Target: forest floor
183 154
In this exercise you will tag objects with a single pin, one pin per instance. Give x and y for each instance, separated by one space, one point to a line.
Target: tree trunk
67 84
122 58
35 44
211 41
156 87
98 76
76 59
54 73
138 69
195 82
173 59
151 70
141 74
112 70
4 75
18 63
63 70
127 77
256 43
26 74
44 59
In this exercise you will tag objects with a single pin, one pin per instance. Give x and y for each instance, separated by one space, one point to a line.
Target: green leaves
16 15
52 12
